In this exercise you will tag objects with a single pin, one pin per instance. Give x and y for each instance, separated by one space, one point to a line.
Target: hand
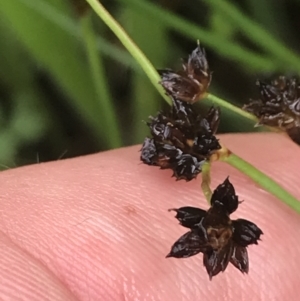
98 228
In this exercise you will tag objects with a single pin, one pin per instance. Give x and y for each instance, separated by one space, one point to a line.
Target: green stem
263 181
205 184
231 107
110 120
129 45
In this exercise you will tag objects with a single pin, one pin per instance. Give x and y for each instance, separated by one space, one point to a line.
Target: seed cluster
213 233
183 140
191 83
279 105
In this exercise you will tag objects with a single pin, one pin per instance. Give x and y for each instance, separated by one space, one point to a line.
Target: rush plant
183 140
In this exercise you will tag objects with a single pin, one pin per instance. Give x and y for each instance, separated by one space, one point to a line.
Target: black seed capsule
182 140
213 233
279 106
191 83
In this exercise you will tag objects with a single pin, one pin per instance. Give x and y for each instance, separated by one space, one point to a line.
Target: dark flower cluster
191 83
279 106
181 139
213 233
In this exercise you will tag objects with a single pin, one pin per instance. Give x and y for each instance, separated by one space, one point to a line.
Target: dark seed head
224 195
191 83
239 258
190 217
245 233
213 233
189 244
181 140
279 106
179 85
149 153
187 167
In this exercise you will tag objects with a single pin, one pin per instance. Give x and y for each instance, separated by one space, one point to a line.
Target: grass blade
256 33
263 181
110 120
218 43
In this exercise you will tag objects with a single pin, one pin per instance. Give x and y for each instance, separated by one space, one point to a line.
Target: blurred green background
68 88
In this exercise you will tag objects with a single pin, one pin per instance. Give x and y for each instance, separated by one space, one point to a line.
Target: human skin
98 228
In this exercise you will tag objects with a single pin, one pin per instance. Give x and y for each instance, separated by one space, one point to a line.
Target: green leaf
132 48
144 95
60 54
257 34
101 86
220 44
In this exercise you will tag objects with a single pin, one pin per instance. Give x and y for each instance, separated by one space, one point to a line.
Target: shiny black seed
180 86
189 244
224 195
189 217
216 261
205 143
191 83
213 119
239 258
187 167
148 151
245 232
197 65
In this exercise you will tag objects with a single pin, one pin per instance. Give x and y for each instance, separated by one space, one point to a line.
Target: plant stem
227 105
108 114
205 184
129 45
262 180
231 107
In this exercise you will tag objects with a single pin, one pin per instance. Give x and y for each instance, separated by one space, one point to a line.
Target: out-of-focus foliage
67 87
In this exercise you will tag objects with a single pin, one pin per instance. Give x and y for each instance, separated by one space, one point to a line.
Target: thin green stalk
129 45
263 181
227 48
205 184
256 33
108 114
223 103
